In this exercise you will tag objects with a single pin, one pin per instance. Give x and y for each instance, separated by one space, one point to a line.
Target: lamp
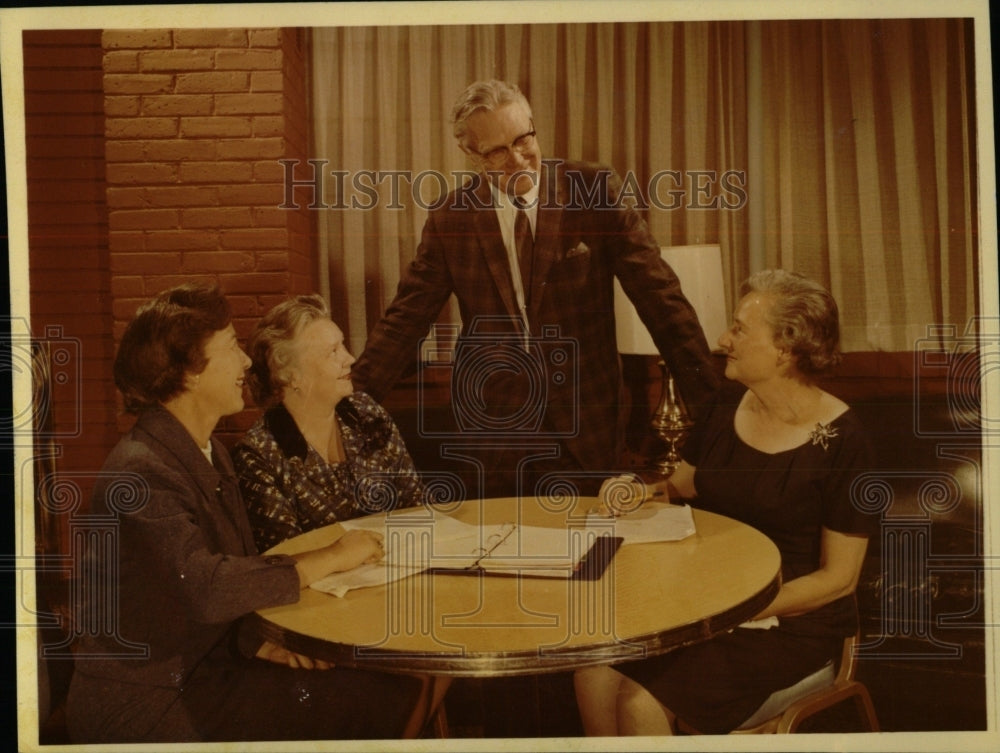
699 269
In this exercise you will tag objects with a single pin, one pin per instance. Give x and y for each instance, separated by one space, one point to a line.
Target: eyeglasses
497 157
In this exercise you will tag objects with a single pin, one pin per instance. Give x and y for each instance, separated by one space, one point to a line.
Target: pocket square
577 250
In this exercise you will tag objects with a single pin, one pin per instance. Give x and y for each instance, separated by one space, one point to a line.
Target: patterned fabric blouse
289 488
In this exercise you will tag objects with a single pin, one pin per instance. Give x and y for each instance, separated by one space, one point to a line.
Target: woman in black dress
782 457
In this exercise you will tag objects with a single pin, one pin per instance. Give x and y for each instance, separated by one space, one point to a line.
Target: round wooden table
652 598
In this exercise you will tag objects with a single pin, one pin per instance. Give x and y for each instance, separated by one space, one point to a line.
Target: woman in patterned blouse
321 452
174 660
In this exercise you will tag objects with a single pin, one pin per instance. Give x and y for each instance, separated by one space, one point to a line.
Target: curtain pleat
867 149
729 121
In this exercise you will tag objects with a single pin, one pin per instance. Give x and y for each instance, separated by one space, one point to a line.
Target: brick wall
153 159
196 123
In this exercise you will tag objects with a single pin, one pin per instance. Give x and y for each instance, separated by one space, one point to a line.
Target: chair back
843 687
848 660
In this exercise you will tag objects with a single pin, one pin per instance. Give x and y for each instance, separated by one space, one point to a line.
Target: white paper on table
419 539
533 546
450 540
653 521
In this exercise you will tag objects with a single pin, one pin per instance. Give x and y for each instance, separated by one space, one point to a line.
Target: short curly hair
270 345
803 317
165 341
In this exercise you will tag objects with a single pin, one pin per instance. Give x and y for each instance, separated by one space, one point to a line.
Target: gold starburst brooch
821 434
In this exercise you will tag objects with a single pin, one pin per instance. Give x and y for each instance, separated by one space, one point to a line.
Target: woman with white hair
321 453
172 570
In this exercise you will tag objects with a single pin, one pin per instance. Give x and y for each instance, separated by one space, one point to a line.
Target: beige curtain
870 182
662 103
864 166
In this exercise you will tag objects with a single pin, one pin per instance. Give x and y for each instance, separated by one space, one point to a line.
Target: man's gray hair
484 95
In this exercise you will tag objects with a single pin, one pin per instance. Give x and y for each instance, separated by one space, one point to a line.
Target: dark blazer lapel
218 487
547 237
491 243
171 435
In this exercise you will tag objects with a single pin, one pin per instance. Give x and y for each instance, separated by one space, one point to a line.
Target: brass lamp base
670 424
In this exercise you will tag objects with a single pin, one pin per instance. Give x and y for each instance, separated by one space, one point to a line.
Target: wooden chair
844 686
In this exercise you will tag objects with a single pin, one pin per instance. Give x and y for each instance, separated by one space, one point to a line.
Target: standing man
530 248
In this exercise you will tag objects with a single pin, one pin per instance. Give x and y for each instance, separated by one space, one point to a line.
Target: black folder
590 566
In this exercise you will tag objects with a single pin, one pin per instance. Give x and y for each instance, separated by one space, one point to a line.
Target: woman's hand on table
360 547
355 547
620 495
272 652
626 493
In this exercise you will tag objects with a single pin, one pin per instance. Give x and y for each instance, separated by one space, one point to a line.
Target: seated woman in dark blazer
781 458
321 453
162 657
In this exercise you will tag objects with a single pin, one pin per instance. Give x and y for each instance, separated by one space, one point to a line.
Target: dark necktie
525 245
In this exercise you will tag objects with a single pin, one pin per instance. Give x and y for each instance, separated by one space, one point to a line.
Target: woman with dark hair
782 459
321 452
163 657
